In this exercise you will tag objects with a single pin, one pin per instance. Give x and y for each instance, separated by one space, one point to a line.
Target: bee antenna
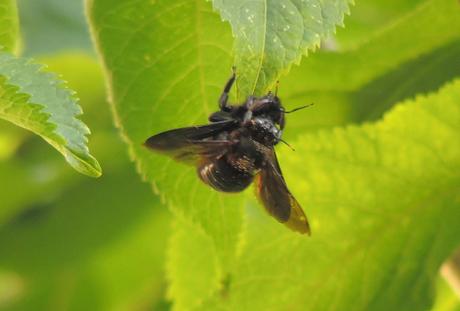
277 87
285 142
299 108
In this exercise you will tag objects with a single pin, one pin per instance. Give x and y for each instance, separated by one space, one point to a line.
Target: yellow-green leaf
271 35
383 200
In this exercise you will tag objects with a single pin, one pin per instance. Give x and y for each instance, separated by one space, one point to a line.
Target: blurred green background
69 242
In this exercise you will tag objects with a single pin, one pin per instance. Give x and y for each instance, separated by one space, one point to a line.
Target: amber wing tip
299 225
305 230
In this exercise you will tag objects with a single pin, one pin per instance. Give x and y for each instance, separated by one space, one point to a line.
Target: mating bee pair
236 148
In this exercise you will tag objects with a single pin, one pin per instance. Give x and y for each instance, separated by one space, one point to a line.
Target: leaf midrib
262 54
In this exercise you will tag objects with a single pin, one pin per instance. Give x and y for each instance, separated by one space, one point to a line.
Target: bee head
269 106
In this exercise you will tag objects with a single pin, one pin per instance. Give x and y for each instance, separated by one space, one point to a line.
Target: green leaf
80 233
11 138
39 174
446 299
272 35
50 26
361 84
23 188
372 60
183 258
92 247
166 63
369 18
384 204
40 102
9 25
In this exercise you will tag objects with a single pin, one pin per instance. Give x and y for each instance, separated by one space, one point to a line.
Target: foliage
66 240
376 165
63 21
381 177
150 93
446 300
9 25
361 84
41 103
271 35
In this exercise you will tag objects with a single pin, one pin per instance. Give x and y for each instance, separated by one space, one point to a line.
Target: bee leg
247 117
278 136
220 116
224 96
249 105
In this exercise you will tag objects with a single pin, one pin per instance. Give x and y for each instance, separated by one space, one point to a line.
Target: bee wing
272 190
192 144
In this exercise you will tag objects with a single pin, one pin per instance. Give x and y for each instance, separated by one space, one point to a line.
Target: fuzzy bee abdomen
224 176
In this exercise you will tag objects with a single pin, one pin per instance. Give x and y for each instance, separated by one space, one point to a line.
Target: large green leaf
35 172
384 204
271 35
186 289
65 231
368 19
166 64
9 25
351 69
361 84
40 102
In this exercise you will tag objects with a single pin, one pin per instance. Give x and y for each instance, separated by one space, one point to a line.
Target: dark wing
272 190
191 144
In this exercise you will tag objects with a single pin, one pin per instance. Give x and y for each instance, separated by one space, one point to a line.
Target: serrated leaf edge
88 166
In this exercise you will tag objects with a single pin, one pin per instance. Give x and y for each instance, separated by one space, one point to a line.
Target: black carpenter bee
236 148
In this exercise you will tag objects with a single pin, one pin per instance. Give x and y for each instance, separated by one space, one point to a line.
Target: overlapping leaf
81 242
271 35
368 19
361 84
40 102
167 62
34 171
384 204
186 289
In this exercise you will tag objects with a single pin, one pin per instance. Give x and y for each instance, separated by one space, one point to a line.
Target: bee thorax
264 131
